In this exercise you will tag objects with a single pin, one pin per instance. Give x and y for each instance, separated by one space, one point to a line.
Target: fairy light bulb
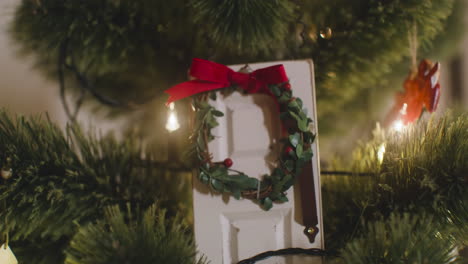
172 123
398 125
381 153
403 109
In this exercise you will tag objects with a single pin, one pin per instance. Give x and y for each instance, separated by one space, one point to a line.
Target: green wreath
296 150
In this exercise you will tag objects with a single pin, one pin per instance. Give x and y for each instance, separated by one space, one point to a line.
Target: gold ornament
331 74
326 33
6 173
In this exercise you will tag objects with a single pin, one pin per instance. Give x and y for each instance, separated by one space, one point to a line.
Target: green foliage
244 26
121 46
413 210
430 156
456 217
424 169
273 187
60 179
122 237
400 239
130 50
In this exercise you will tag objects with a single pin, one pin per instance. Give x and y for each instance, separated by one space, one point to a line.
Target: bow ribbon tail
187 89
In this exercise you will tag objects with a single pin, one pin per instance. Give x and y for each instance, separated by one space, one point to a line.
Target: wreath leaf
217 113
307 155
289 165
217 185
294 105
236 193
294 139
299 151
275 90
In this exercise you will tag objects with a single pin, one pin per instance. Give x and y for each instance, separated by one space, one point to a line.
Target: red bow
211 76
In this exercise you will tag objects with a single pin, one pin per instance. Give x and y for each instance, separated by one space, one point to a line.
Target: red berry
287 86
288 150
228 162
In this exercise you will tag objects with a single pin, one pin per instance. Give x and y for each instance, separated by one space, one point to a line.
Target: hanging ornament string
413 46
273 81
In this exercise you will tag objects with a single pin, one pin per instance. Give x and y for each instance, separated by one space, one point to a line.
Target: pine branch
423 169
126 237
63 179
400 239
244 26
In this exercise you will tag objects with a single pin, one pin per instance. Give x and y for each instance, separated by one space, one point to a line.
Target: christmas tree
73 197
120 54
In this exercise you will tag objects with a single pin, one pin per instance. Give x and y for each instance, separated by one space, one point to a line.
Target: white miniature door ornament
6 255
226 229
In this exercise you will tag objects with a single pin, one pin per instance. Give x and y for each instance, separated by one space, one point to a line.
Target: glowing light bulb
398 126
403 109
172 123
381 152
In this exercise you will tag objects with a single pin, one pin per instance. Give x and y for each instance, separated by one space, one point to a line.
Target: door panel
248 133
238 227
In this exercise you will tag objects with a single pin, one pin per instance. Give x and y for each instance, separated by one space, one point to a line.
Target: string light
172 123
381 152
403 109
398 125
